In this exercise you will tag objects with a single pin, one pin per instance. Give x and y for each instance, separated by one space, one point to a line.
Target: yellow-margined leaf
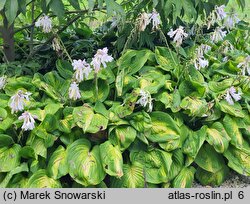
112 160
85 166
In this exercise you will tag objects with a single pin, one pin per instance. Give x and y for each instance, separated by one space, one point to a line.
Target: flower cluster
220 12
245 66
83 70
231 20
200 61
179 34
146 18
231 94
44 22
56 45
100 59
74 92
19 100
218 35
217 15
17 103
28 121
145 100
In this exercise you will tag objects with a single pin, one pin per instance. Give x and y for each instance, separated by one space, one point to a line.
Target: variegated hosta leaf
164 58
221 86
209 160
193 143
239 160
177 163
5 140
133 60
23 167
18 181
194 107
6 121
9 157
218 137
235 134
133 177
40 180
152 81
177 143
122 136
244 125
83 116
192 88
212 179
141 121
88 90
66 124
156 164
164 128
38 145
28 152
185 178
112 160
90 122
170 145
234 110
57 166
85 166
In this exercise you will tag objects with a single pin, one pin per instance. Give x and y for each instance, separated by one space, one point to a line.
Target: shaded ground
234 181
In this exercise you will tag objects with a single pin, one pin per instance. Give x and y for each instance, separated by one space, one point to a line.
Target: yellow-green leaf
112 160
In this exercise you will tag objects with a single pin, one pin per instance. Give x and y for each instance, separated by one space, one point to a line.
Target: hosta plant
150 118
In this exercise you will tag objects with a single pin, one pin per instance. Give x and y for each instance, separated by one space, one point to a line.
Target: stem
96 86
20 136
64 49
32 27
165 39
133 31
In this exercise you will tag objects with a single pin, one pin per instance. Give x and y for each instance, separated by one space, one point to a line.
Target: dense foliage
166 103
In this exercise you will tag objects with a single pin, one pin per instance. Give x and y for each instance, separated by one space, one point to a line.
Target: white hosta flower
144 20
220 12
231 94
156 19
96 63
225 59
218 35
74 92
18 101
44 22
212 19
28 121
178 35
226 47
245 66
145 100
201 63
2 82
56 45
101 58
231 20
82 69
202 49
